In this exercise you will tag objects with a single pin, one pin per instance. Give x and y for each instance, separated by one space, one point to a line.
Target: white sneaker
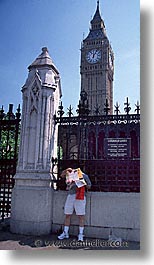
80 237
63 235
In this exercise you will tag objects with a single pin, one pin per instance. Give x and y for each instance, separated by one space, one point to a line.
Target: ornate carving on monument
34 96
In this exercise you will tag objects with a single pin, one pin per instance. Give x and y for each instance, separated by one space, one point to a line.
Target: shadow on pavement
10 241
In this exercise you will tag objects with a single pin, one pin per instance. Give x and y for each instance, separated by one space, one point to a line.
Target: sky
28 25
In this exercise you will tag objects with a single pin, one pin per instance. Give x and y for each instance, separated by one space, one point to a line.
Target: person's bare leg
65 233
81 227
67 220
81 220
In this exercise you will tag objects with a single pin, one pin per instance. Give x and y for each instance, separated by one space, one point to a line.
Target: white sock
81 229
66 228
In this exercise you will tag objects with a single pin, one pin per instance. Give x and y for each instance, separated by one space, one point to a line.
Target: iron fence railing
106 175
83 141
9 142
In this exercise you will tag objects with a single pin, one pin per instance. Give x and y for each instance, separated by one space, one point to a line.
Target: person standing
76 200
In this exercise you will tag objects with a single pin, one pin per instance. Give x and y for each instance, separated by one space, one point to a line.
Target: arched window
111 134
122 134
134 144
101 137
91 145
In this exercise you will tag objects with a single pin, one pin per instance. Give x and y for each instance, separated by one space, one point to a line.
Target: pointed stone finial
44 49
98 4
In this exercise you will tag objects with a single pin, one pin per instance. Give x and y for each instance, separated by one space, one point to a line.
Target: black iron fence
106 175
106 147
9 142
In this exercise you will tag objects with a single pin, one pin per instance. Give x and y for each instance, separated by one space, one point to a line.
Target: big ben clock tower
97 67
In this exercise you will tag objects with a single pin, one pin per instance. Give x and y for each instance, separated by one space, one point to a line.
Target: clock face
93 56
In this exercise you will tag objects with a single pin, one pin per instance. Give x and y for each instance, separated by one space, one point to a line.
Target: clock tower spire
97 21
97 66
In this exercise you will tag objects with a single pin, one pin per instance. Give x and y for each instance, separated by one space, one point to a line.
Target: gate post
31 207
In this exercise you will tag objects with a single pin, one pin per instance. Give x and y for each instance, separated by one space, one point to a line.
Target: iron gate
9 141
81 143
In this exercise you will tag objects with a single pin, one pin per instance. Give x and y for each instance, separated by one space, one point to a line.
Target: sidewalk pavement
10 241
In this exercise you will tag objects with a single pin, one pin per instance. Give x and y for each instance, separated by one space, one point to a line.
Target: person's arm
86 178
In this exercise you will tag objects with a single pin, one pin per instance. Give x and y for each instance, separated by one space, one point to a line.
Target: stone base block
30 228
31 210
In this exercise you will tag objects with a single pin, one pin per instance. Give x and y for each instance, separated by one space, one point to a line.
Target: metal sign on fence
117 147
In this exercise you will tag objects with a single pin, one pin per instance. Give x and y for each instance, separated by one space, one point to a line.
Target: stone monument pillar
31 209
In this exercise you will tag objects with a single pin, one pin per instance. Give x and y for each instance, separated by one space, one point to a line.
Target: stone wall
119 211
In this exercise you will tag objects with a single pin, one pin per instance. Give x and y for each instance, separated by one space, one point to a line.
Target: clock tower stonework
97 67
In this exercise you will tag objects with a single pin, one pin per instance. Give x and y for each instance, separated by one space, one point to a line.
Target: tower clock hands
93 56
94 52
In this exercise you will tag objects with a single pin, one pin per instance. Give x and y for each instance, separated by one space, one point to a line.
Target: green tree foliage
8 145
